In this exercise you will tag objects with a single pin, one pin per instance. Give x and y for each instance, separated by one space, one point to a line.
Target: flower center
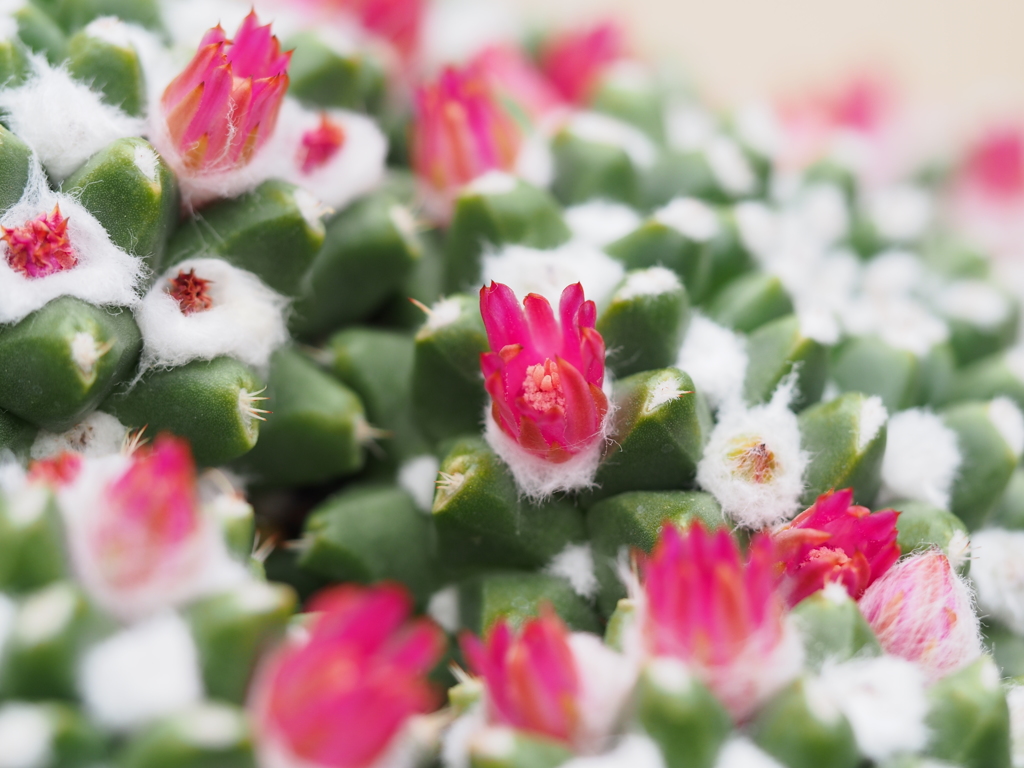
542 387
753 461
190 292
320 145
40 247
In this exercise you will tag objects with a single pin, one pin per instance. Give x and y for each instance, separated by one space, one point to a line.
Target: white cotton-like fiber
443 607
753 464
653 281
884 700
633 750
873 416
1006 417
416 476
246 321
692 218
8 610
730 166
600 222
98 434
715 358
921 458
456 30
975 301
997 570
739 752
599 128
1015 700
457 738
548 272
104 275
535 163
142 673
26 736
688 127
901 213
575 564
63 120
758 227
606 680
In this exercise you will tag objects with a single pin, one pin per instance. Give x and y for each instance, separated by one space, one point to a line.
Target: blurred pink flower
319 145
516 80
56 471
223 106
41 246
923 612
397 21
340 697
574 61
722 616
834 541
995 164
544 378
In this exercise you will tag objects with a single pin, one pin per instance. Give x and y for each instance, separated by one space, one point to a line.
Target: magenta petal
543 328
503 318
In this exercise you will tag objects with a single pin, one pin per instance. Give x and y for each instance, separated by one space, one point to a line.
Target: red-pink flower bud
223 107
923 612
834 541
995 165
575 61
517 81
319 145
544 377
340 697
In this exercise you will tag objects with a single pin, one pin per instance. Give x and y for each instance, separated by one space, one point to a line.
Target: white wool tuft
1008 420
715 358
64 121
690 217
604 129
607 678
99 434
26 736
743 435
600 222
110 30
416 477
997 570
633 750
759 125
730 166
46 614
357 168
1015 700
104 275
975 301
548 272
1015 362
873 416
653 281
443 608
921 459
457 738
822 210
492 183
758 226
663 388
535 163
442 313
142 673
8 610
246 321
688 127
738 752
900 213
456 30
884 700
901 322
575 564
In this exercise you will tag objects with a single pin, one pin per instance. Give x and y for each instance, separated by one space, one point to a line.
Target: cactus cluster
386 384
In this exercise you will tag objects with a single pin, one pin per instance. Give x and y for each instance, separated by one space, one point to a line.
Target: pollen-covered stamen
191 292
40 247
319 145
753 460
542 387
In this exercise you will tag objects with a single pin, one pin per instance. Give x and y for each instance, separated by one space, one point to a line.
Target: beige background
965 54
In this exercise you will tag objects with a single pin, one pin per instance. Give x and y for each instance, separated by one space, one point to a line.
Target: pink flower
223 107
341 697
56 471
532 680
835 542
721 615
516 80
40 247
397 21
460 132
319 145
544 378
995 165
923 612
575 61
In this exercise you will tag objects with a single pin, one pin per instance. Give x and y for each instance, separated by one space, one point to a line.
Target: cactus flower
923 612
397 21
341 696
517 81
995 165
544 376
459 133
722 616
191 292
223 106
575 61
836 541
56 471
40 247
320 144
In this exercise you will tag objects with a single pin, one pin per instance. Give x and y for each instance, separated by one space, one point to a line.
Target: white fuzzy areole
715 358
653 281
1008 420
548 272
1015 701
730 166
758 227
86 351
901 213
739 752
212 726
974 301
104 275
921 458
575 564
456 30
822 209
8 611
417 476
900 321
26 502
46 614
884 700
671 675
758 124
8 22
443 313
688 127
873 416
443 607
147 161
535 162
142 673
690 217
1014 360
747 502
997 570
817 323
111 30
246 321
491 184
26 736
600 222
663 389
604 129
634 750
607 679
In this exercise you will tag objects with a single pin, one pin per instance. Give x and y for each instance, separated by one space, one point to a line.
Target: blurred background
962 56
